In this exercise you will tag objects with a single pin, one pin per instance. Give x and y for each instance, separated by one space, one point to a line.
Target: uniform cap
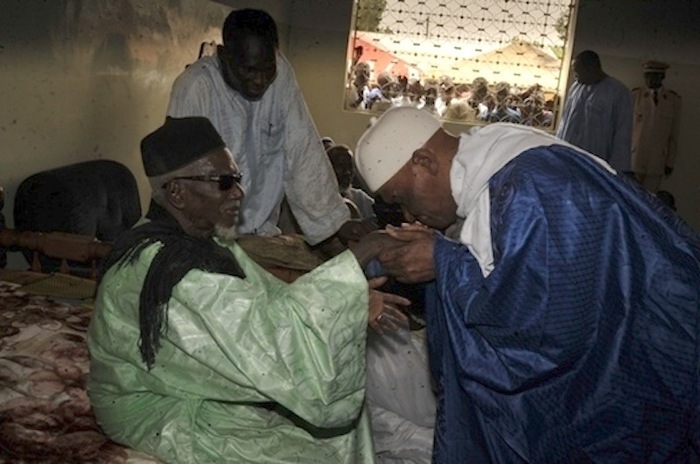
388 144
177 143
655 66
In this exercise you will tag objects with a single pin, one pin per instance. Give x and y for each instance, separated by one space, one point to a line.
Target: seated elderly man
567 315
199 355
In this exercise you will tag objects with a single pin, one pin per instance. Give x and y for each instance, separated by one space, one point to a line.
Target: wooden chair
58 245
97 199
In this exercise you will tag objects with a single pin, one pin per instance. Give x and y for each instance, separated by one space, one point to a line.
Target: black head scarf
179 254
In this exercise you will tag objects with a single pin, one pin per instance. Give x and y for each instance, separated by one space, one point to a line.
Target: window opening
472 61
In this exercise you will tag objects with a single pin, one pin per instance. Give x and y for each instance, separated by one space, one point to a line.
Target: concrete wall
83 80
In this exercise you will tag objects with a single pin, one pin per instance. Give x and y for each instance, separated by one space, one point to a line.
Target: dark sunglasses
225 181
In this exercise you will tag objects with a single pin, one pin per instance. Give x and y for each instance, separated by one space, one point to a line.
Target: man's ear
426 159
175 194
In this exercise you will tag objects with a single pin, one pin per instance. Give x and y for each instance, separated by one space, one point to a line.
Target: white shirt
275 144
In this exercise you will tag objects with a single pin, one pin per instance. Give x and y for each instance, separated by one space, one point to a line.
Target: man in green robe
199 355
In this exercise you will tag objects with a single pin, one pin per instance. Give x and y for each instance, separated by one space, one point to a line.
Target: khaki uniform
654 133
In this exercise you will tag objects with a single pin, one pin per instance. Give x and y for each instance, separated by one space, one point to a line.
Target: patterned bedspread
45 414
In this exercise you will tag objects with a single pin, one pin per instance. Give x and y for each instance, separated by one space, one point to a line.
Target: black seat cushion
98 198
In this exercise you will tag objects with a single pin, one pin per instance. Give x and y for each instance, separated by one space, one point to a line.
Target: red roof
381 59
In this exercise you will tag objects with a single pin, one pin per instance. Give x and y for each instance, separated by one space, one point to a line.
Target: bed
45 414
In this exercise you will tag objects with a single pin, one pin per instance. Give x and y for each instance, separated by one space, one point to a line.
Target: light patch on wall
138 38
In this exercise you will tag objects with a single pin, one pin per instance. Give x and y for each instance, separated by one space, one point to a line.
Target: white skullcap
388 144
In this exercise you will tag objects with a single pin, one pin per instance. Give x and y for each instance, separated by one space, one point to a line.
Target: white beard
226 234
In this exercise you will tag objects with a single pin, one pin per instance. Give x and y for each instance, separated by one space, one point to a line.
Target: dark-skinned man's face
250 67
654 80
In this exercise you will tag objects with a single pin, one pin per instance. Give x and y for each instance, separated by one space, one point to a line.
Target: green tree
369 14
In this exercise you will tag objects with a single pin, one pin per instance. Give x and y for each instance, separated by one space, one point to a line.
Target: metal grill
477 61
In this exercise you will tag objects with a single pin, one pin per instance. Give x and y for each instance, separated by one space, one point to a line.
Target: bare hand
413 261
371 244
406 228
329 248
355 229
384 312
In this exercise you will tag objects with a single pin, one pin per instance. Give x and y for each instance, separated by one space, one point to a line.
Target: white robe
275 144
598 118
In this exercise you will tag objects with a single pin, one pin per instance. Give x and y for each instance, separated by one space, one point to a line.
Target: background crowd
478 100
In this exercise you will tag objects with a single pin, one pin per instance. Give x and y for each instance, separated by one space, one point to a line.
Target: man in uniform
655 129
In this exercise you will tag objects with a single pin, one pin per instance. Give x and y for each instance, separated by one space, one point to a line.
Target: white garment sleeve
310 183
189 96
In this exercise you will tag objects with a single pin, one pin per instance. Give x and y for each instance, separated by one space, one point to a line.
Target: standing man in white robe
598 113
249 92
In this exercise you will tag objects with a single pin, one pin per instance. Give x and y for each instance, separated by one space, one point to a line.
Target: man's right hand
412 260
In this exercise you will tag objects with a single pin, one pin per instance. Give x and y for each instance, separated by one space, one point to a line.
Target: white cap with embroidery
388 144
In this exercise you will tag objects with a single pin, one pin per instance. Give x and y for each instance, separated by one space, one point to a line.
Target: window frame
555 94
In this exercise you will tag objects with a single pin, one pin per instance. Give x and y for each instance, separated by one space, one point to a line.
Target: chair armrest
59 245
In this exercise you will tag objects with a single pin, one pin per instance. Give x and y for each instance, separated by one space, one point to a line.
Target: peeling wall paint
82 80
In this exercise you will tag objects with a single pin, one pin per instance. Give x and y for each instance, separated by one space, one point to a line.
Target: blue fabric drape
582 344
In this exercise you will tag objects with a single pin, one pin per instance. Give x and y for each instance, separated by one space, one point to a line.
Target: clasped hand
405 253
355 229
411 261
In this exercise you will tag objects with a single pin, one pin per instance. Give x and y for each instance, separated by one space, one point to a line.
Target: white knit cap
388 144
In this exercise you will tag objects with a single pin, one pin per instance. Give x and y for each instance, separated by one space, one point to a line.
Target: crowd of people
498 295
464 102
